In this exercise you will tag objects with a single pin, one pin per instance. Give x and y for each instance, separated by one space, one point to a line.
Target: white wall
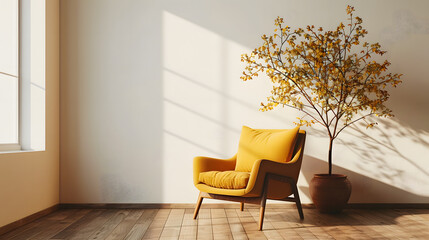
148 85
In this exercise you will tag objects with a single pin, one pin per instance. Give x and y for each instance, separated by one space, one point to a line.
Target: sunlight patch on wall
195 117
205 101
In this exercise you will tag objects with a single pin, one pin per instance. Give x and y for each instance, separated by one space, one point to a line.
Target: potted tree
330 76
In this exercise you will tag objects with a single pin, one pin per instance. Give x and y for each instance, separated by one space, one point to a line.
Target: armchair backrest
295 168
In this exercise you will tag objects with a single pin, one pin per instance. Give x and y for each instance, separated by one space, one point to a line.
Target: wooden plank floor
228 223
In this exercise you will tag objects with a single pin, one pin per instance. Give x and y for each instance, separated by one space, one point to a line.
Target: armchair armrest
205 164
263 166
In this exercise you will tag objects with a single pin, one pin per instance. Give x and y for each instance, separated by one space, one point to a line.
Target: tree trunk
331 141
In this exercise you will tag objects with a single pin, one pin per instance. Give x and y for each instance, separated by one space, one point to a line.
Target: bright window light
9 72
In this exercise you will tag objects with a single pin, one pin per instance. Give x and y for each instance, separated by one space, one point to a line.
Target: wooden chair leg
263 203
297 200
197 207
261 215
242 206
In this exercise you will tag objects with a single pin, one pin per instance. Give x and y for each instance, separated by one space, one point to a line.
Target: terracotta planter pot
330 193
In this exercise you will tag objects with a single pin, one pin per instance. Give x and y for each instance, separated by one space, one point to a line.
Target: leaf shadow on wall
364 189
377 146
385 149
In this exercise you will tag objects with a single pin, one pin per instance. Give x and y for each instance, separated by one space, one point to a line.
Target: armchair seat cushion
225 179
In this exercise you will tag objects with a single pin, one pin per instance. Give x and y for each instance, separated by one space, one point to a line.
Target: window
9 75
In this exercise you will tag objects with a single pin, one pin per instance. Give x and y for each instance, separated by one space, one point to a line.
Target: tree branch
348 124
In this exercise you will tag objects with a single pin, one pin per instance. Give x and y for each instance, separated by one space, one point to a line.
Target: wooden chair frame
257 200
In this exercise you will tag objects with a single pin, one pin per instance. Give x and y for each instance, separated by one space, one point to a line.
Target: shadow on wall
373 191
391 152
383 143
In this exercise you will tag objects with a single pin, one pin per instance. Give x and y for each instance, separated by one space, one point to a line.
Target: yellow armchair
268 180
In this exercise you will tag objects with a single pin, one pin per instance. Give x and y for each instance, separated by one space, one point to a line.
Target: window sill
20 151
10 147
